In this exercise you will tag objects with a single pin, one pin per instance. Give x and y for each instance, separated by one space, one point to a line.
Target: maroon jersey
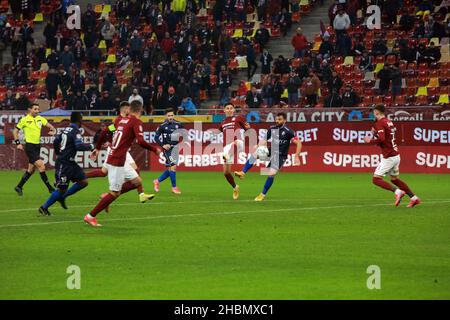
128 129
230 125
384 137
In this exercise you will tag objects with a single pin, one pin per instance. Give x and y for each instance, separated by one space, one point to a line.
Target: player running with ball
122 177
281 137
384 136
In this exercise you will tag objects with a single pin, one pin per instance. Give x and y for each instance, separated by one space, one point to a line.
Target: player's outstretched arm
80 146
52 129
102 138
140 140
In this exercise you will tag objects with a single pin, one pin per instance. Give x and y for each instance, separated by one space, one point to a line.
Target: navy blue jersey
68 142
281 138
165 133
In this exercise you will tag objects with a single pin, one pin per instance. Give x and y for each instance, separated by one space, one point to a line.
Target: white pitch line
126 204
209 214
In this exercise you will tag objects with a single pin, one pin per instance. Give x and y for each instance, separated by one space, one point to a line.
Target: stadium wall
327 147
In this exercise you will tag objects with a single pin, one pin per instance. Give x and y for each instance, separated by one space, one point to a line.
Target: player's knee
40 165
394 178
84 183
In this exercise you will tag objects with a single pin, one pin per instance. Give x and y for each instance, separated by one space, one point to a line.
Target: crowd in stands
179 53
406 62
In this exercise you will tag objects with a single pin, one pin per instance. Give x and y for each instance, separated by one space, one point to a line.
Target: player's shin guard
74 189
24 179
249 164
55 196
267 185
164 176
102 204
97 173
402 185
230 179
383 184
173 178
44 178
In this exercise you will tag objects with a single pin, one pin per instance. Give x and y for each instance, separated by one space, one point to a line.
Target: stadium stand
168 52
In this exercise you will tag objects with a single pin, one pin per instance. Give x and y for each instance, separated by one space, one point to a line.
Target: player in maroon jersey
122 177
232 127
105 138
384 136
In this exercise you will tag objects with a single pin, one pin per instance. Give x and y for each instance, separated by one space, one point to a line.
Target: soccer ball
262 153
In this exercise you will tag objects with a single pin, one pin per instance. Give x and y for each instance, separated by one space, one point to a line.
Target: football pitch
313 238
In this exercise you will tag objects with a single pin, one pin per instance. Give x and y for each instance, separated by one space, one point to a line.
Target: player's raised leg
414 200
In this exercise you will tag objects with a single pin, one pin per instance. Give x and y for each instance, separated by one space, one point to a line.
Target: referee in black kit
31 125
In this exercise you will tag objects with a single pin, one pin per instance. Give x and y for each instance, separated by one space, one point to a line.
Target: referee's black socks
24 179
45 180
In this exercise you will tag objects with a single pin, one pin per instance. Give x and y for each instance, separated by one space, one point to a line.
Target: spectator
281 66
344 45
266 60
52 81
379 47
366 62
49 34
159 100
326 49
136 44
254 99
224 86
94 57
333 100
385 80
251 61
310 88
172 100
80 102
350 99
335 82
293 85
406 20
188 107
9 102
262 35
341 23
135 96
396 76
300 43
22 103
109 79
66 58
108 31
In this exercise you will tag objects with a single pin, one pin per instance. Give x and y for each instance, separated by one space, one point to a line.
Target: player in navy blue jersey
281 137
66 145
167 136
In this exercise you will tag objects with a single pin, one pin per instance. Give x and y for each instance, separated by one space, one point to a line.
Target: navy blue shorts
277 161
171 156
68 172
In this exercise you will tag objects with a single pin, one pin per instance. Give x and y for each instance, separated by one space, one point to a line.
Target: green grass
313 238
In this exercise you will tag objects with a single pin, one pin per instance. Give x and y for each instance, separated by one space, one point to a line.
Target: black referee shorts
33 152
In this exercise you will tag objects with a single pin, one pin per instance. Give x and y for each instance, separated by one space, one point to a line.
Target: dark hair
124 104
380 108
228 104
282 114
76 117
169 110
32 105
135 106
